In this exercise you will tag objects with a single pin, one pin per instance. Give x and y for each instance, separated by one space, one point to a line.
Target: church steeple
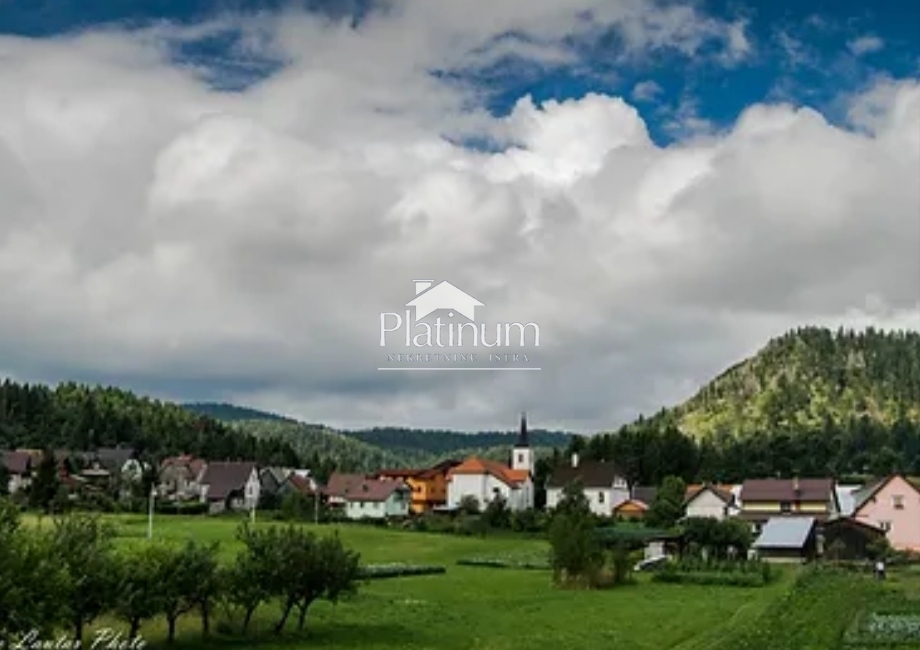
523 440
522 454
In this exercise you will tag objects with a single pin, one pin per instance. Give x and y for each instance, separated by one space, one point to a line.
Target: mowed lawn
472 608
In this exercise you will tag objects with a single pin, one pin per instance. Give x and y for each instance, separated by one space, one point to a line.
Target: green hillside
807 378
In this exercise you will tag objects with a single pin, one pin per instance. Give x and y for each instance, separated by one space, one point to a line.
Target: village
791 519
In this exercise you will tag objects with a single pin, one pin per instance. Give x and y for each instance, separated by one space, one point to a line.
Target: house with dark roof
846 538
603 483
763 499
788 539
230 486
19 465
377 499
710 501
484 480
338 486
892 504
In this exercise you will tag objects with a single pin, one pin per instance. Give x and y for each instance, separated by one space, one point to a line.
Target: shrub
380 571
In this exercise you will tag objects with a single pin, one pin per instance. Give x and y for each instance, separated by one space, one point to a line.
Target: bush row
499 563
710 578
379 571
69 575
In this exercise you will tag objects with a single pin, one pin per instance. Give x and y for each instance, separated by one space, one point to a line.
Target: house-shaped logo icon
443 296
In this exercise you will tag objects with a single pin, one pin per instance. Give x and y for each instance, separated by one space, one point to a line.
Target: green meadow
478 608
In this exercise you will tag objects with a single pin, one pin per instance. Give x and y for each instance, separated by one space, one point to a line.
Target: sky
216 201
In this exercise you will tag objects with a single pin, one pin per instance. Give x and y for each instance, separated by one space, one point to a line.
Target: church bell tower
522 454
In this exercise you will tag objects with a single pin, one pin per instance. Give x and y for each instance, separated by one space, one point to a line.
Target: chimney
421 285
575 460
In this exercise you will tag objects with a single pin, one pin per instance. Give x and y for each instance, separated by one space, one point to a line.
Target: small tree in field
576 555
83 545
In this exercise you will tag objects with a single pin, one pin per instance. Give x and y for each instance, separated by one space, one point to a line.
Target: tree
188 574
4 479
143 583
668 505
469 505
83 546
576 554
497 514
45 485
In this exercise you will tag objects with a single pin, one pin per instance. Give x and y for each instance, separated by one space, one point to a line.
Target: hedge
497 563
380 571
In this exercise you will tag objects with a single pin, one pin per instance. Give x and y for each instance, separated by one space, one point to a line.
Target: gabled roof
192 464
475 465
340 483
18 462
300 483
114 458
856 523
631 503
846 498
442 468
785 532
723 492
591 474
773 489
225 477
373 490
865 494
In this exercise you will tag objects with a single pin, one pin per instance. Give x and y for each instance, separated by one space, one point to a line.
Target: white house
484 479
603 484
709 501
377 499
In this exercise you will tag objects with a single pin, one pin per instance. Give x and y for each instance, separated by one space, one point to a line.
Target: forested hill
809 378
379 446
439 442
77 417
232 413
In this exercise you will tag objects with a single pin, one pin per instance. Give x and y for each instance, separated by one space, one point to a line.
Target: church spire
523 440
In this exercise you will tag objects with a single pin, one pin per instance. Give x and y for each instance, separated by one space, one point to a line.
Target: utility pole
153 494
316 505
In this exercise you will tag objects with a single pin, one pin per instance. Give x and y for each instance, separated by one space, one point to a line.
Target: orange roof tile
476 465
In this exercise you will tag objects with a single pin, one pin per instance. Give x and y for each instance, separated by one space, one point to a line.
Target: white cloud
646 91
153 229
865 45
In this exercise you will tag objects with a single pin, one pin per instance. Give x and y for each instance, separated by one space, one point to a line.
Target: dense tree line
647 454
69 577
77 417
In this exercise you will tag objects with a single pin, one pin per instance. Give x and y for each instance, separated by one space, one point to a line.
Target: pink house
892 504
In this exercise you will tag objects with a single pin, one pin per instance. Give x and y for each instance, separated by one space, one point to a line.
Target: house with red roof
180 477
484 480
710 501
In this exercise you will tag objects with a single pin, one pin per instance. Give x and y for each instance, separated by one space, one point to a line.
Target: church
484 479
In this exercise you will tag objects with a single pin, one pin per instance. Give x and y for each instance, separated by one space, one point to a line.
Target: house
300 484
631 509
483 479
180 477
339 486
711 501
428 486
20 466
892 504
763 499
603 483
788 539
230 486
443 296
271 479
846 538
377 499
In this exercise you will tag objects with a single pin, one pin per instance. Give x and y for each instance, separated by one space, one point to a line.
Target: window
897 501
600 497
885 525
785 506
619 483
520 459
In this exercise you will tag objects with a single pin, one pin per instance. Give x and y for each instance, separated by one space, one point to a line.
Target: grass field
475 608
